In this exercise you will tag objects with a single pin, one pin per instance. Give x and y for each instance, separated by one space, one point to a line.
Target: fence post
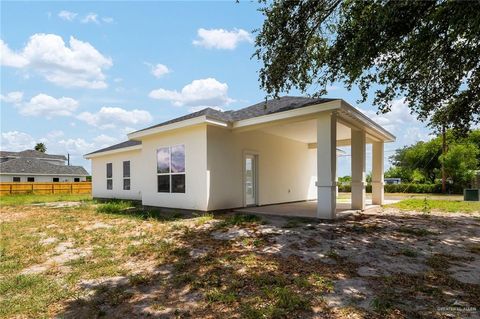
71 188
11 189
53 188
32 188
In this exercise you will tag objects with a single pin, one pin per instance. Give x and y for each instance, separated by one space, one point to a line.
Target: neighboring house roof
117 146
37 166
32 154
281 104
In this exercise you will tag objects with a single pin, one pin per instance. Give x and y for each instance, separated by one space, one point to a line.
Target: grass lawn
437 205
24 199
114 260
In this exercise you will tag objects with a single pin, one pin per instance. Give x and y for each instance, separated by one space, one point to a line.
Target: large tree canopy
425 51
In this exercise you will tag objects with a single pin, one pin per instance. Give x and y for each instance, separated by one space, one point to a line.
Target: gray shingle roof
32 154
281 104
117 146
37 166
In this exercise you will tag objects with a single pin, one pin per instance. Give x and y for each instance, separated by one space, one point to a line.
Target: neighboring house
35 166
279 151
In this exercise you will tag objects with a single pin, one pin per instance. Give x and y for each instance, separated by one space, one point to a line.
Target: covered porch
323 129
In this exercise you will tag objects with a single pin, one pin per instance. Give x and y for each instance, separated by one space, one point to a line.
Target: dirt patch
351 292
63 253
98 225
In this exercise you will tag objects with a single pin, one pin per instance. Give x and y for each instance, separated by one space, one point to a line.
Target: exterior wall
195 196
99 176
286 168
41 178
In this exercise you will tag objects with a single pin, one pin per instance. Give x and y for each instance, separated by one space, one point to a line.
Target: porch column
326 165
377 173
358 169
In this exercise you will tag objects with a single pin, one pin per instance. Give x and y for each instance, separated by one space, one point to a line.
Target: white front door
250 180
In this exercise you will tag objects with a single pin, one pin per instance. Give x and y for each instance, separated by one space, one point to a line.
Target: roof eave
203 119
381 132
115 151
286 115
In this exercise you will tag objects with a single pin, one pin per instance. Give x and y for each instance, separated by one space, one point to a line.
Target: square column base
326 202
377 193
358 195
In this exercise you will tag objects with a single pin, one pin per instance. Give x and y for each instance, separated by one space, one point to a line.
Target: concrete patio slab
303 209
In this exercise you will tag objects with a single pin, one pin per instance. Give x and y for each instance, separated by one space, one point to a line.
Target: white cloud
76 65
90 18
396 119
67 15
10 58
107 19
109 117
103 140
203 92
48 106
14 97
76 146
221 39
160 70
16 141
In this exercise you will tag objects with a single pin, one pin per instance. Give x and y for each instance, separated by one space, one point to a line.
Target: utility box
471 194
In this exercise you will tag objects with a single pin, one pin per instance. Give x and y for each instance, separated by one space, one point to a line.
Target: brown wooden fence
45 188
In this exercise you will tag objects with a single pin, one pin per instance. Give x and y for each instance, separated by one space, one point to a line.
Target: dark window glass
178 159
126 184
76 180
163 183
30 179
178 183
109 184
56 179
16 179
109 170
126 169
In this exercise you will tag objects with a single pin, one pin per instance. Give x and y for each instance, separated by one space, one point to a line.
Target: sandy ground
396 255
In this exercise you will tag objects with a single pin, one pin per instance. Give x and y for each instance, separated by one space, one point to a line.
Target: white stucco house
33 166
280 151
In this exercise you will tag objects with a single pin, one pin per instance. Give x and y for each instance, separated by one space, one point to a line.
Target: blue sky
78 76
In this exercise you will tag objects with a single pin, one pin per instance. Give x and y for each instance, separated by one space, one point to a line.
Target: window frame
109 184
170 172
30 179
16 177
127 177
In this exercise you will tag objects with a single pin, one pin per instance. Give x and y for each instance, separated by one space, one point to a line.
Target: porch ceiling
304 131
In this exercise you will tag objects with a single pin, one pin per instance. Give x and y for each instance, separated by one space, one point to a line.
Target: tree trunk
444 151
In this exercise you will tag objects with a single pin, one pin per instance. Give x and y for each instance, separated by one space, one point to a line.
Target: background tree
421 162
40 147
460 161
425 51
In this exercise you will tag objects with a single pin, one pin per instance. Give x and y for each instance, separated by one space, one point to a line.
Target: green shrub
404 188
114 207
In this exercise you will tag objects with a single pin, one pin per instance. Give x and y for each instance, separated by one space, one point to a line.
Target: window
56 179
16 179
171 169
109 176
126 175
76 179
31 179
